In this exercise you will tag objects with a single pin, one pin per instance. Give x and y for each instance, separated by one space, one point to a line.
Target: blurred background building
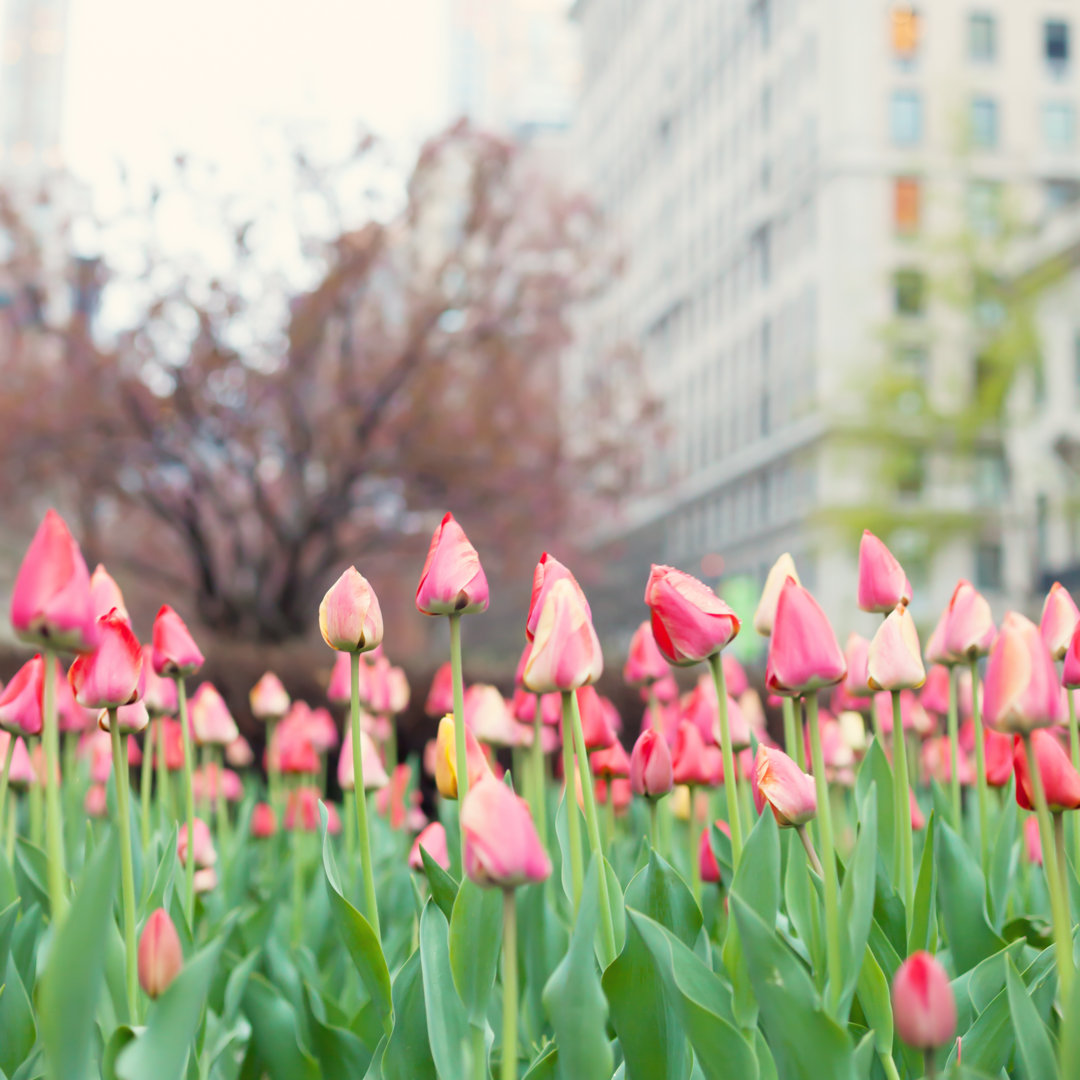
812 195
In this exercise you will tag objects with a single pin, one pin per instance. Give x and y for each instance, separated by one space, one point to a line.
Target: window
1059 125
909 291
907 205
982 38
905 33
984 122
912 362
910 468
1056 45
989 568
1059 193
905 117
991 478
984 207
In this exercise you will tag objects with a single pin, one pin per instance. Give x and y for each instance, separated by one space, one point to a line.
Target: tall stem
510 987
360 794
1074 751
1062 929
145 776
980 769
730 781
273 772
298 877
811 854
791 734
828 856
694 837
654 830
164 797
592 823
536 761
127 871
221 804
609 815
573 825
189 791
905 859
954 749
1062 865
4 774
54 824
458 682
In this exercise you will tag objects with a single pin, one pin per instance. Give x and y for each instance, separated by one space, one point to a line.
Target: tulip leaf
857 899
546 1065
31 873
1033 1041
24 943
475 942
802 904
875 769
19 1032
701 1002
358 935
562 832
7 929
1004 857
721 846
987 979
340 1053
874 1000
542 947
574 999
161 1050
275 1033
962 901
806 1043
163 876
120 1038
72 980
447 1021
9 889
444 887
407 1055
922 916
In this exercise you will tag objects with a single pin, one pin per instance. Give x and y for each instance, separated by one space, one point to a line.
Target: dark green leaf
875 1002
18 1032
875 769
962 901
475 940
922 917
444 887
275 1033
31 874
447 1022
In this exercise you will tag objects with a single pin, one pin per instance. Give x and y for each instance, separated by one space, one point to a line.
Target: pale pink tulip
689 621
566 651
894 660
130 719
269 700
488 717
936 652
452 581
804 655
548 571
239 754
1022 689
211 722
785 787
969 624
501 845
883 585
158 694
202 850
1060 617
349 616
779 572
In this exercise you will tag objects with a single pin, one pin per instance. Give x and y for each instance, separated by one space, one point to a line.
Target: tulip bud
596 725
1060 617
857 656
239 753
781 570
109 676
689 621
688 757
269 700
883 585
785 787
923 1003
969 624
202 850
936 652
263 821
566 651
1022 689
433 840
175 651
501 845
1060 781
349 616
548 571
710 867
804 655
211 722
651 772
452 581
446 776
158 695
160 955
21 699
51 605
105 595
1033 841
645 664
894 660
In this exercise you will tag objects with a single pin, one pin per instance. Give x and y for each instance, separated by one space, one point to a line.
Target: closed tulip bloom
765 615
689 621
883 585
1059 620
1033 841
446 773
501 844
936 652
1061 782
172 745
294 753
566 651
159 695
894 661
548 571
20 700
856 656
934 696
51 603
612 761
175 651
130 719
202 850
596 719
269 700
969 624
321 731
349 616
710 867
688 764
785 787
923 1004
433 840
109 676
452 581
1022 690
804 654
488 717
106 595
70 715
998 749
651 772
645 663
263 821
160 955
440 699
239 753
211 722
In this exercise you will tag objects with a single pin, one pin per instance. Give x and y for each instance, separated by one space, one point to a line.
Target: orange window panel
905 32
907 204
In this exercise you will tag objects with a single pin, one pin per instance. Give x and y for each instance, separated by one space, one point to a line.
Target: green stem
37 806
828 857
1074 752
791 744
905 859
350 827
609 815
954 750
298 878
127 871
189 789
1063 865
573 825
221 805
360 794
12 821
145 776
980 770
164 797
1062 930
510 987
592 824
692 851
730 781
888 1065
273 773
4 774
654 824
811 854
54 825
539 794
460 750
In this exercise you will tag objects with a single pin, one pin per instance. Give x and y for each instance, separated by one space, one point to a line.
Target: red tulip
51 605
651 771
109 676
1022 688
566 651
501 844
211 722
269 700
998 757
548 571
923 1004
1033 841
160 955
894 660
1060 617
263 821
433 840
20 700
349 616
645 663
779 572
883 585
688 757
175 651
689 621
612 761
785 787
452 581
969 624
803 652
596 723
710 867
1060 781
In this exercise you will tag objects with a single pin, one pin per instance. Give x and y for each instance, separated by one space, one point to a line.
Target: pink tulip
269 700
548 571
160 955
1060 781
239 753
651 771
374 772
923 1004
96 801
803 652
205 880
70 715
501 844
211 781
1022 689
1033 841
20 700
349 616
689 621
645 663
883 585
612 761
688 757
340 689
913 716
566 651
171 745
936 652
779 572
856 656
735 677
211 722
175 651
440 699
998 750
321 731
935 692
1060 617
302 810
51 605
106 596
969 624
294 754
263 821
21 772
596 723
710 868
785 787
130 719
109 676
753 712
618 789
894 660
487 715
433 840
202 850
158 695
452 581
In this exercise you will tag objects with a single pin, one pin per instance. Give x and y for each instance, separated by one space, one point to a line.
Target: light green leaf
857 899
443 885
922 917
962 901
447 1022
1032 1038
875 1001
18 1032
475 940
875 769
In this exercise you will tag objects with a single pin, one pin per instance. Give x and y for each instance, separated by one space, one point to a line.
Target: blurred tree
243 438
